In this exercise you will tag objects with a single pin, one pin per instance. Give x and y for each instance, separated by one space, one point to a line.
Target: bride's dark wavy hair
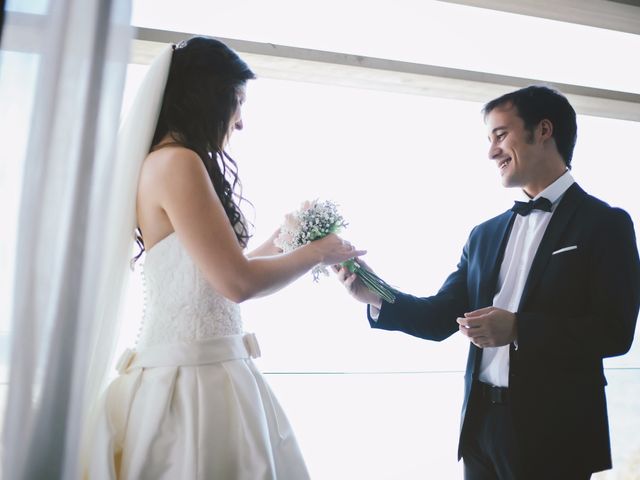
200 99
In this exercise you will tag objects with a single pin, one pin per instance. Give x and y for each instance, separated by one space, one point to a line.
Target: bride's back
152 218
180 305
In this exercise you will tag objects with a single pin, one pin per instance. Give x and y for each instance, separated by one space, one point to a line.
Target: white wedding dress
189 402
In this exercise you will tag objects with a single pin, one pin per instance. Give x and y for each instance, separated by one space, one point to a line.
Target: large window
421 31
412 177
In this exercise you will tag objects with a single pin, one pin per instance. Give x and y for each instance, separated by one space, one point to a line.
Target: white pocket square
565 249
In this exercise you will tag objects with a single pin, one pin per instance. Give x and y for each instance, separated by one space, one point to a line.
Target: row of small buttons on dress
144 304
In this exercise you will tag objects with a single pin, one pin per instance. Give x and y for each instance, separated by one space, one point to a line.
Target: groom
544 292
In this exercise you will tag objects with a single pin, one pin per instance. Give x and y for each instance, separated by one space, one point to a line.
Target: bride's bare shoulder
170 160
170 172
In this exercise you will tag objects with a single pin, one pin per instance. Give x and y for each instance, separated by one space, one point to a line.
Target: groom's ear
545 129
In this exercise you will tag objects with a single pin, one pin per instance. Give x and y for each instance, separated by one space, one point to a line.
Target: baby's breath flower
315 220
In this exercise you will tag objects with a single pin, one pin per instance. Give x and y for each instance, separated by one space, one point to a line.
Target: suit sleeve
431 318
613 299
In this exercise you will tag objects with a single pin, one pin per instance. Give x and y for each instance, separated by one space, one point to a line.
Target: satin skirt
193 411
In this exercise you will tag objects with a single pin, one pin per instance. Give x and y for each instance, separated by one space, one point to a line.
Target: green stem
372 281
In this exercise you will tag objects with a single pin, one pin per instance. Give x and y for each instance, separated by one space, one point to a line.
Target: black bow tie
524 208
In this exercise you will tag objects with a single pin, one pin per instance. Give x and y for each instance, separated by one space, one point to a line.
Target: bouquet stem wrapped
372 281
315 220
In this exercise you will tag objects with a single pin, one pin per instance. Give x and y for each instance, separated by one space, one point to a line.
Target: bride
189 402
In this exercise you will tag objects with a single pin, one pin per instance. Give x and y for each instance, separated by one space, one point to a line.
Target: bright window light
38 7
421 31
412 177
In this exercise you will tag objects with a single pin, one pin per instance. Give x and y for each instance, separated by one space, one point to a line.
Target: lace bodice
180 305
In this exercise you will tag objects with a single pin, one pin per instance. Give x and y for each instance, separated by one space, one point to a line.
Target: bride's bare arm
198 218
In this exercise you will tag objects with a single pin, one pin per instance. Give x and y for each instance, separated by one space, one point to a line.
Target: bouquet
315 220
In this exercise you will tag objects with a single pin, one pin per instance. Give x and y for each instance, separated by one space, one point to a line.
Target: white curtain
63 235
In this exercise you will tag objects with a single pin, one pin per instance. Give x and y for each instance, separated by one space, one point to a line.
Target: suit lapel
493 258
557 225
492 261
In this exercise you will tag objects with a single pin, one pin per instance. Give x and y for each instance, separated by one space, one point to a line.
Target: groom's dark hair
536 103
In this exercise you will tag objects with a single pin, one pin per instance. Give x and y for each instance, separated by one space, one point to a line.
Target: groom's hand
354 285
489 327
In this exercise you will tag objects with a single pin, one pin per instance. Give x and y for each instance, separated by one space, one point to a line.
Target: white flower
314 220
291 222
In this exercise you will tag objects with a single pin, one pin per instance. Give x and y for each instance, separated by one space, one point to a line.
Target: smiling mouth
503 163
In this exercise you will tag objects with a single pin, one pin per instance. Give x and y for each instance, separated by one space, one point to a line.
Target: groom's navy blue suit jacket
578 307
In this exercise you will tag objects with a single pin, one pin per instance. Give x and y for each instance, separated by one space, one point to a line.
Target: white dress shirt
524 240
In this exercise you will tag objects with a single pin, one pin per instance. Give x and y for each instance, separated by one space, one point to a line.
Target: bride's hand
332 250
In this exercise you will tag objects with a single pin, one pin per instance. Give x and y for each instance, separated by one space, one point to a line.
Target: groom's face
512 147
